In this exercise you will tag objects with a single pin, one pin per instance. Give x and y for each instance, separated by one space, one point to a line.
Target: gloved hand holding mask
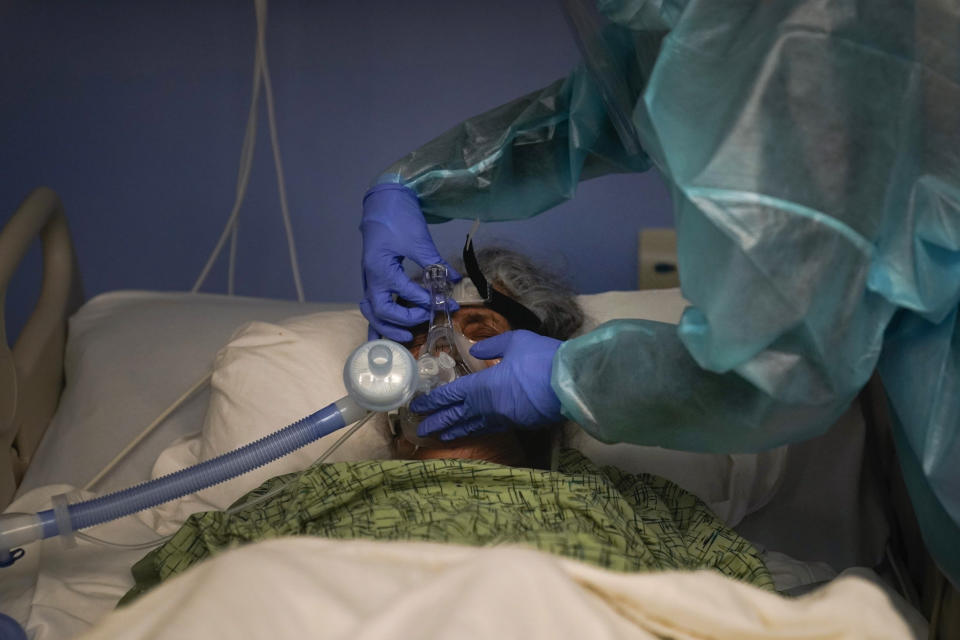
393 229
514 393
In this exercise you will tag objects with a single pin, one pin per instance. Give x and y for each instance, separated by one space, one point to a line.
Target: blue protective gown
813 153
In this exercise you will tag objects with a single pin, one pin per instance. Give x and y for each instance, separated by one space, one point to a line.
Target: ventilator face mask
445 355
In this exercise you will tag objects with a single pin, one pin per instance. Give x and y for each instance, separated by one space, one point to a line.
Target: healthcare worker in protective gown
813 154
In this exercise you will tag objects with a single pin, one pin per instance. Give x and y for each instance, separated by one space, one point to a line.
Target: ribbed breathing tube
379 376
206 474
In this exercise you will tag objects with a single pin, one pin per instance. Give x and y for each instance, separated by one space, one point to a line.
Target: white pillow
266 377
662 305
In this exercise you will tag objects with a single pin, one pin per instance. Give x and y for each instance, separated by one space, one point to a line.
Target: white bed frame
31 373
31 379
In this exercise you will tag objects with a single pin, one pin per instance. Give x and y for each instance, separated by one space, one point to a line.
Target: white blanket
309 587
350 588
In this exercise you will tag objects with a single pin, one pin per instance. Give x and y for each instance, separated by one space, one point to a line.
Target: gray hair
546 293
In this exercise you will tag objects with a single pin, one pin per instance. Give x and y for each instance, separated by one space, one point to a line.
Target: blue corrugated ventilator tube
380 375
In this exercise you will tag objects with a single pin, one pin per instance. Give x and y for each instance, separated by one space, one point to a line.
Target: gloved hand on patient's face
514 393
393 228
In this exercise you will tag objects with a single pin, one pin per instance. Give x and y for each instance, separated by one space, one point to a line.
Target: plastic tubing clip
61 515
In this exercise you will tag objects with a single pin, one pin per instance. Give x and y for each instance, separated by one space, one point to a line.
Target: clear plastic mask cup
444 357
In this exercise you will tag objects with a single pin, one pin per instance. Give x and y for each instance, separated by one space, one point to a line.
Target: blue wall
135 111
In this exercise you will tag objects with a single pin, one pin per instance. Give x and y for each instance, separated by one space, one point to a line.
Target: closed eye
481 332
481 325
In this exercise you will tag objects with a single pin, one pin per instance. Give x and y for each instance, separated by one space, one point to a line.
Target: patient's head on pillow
540 289
553 301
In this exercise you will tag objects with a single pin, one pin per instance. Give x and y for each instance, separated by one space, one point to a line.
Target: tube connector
436 280
17 529
349 410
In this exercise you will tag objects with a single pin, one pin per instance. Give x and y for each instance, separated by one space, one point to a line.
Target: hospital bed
82 381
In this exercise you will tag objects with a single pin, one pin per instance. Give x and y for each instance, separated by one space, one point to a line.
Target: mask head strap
515 313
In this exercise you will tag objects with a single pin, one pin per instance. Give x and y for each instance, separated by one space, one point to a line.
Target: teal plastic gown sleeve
524 157
813 155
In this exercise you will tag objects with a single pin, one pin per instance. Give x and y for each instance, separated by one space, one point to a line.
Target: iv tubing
326 454
206 474
147 431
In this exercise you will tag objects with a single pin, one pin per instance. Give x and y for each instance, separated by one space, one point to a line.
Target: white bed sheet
56 592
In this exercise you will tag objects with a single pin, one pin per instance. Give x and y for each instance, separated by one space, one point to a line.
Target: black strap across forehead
515 313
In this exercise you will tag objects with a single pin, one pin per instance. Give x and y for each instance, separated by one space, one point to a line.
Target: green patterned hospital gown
596 514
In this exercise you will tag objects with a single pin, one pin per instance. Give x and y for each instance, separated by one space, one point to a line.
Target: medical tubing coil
206 474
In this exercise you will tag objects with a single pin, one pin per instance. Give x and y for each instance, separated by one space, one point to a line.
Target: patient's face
476 323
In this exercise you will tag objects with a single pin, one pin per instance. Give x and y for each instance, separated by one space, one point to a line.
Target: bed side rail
31 373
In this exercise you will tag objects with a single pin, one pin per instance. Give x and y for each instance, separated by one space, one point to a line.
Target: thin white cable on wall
243 173
261 72
233 257
261 6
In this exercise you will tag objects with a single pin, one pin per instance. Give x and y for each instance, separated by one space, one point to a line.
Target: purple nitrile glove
514 393
393 229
